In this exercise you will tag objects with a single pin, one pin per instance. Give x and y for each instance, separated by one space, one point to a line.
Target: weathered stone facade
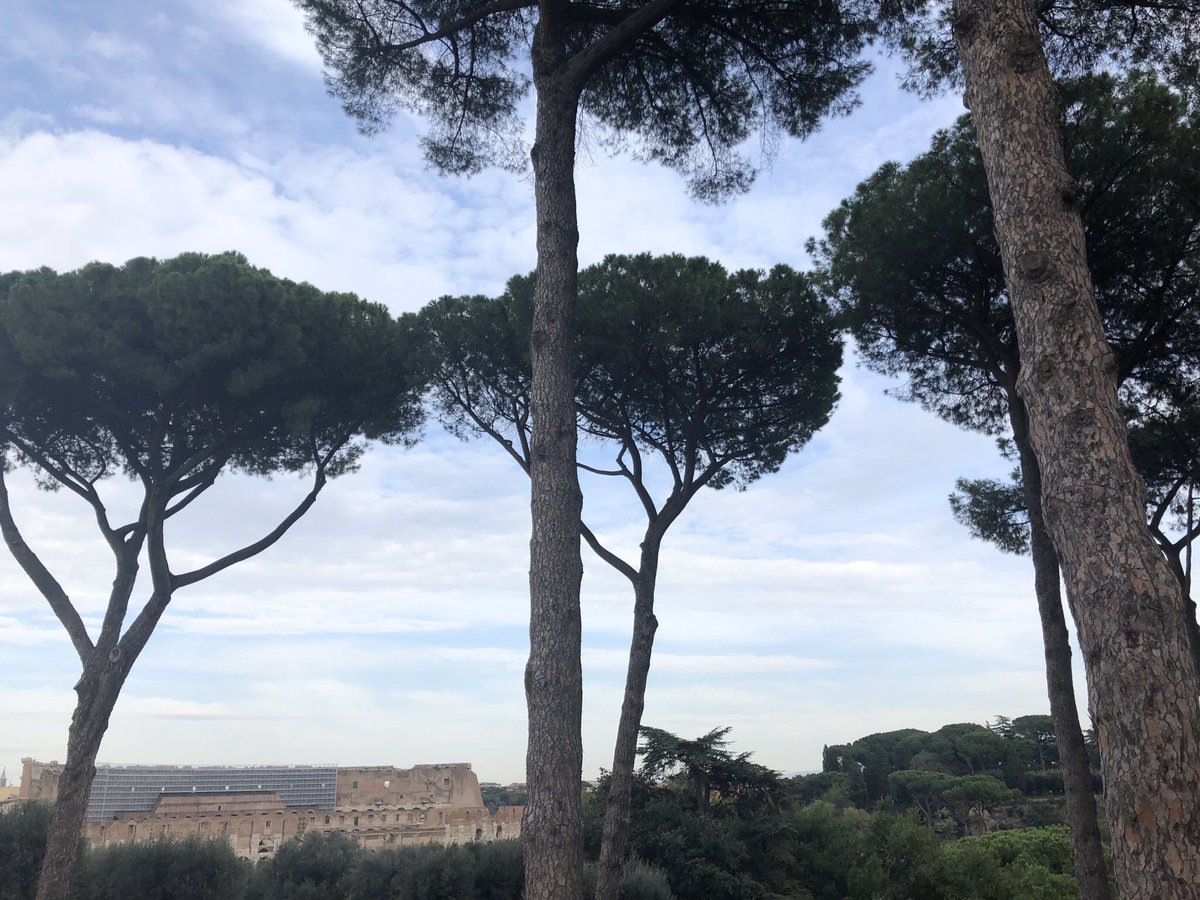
39 781
380 806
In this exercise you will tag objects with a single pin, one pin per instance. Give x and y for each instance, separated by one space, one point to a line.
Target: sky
833 599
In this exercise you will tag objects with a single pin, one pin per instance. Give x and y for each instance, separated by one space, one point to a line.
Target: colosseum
257 808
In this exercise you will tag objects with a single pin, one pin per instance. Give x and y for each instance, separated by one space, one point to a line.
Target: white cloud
274 25
381 227
829 600
113 47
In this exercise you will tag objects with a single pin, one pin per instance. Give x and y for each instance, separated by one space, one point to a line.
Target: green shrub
642 881
1030 863
22 844
311 866
639 881
192 869
499 871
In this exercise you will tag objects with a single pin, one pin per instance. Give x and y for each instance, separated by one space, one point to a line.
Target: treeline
319 866
942 815
953 777
495 796
729 850
721 826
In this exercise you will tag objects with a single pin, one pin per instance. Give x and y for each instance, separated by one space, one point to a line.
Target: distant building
257 808
8 792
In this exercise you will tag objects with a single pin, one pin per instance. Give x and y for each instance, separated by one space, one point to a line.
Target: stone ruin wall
381 807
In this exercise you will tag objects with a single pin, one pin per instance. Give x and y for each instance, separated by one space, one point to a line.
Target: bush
434 872
311 866
22 844
1031 863
191 869
639 881
499 871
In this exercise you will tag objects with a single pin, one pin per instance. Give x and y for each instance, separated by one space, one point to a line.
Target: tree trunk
1127 606
552 829
615 832
97 693
1173 555
1091 874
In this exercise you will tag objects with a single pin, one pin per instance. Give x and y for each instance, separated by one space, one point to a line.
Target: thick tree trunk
97 693
1091 874
552 830
614 835
1127 606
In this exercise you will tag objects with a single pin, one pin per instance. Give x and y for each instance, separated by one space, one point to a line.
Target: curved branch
595 471
1164 504
55 468
641 20
237 556
607 555
46 583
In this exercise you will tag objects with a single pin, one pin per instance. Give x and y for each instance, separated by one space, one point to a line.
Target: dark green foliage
993 511
22 844
720 374
192 869
332 865
639 881
316 866
835 788
703 855
499 873
723 372
820 852
707 768
1034 863
964 797
687 86
907 855
1022 753
495 797
310 867
141 368
913 263
876 756
1078 36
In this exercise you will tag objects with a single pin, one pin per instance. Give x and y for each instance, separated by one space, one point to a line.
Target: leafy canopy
913 264
687 82
719 374
169 371
1079 37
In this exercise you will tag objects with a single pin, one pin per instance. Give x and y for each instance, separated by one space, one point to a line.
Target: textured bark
97 693
1091 874
552 830
614 834
1127 606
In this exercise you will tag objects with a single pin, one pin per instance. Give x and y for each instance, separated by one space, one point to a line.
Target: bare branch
258 546
1164 504
197 489
595 471
46 583
607 555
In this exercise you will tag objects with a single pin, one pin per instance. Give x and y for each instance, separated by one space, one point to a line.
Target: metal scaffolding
123 789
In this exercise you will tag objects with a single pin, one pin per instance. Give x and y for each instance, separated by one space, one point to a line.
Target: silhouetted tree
687 84
170 373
